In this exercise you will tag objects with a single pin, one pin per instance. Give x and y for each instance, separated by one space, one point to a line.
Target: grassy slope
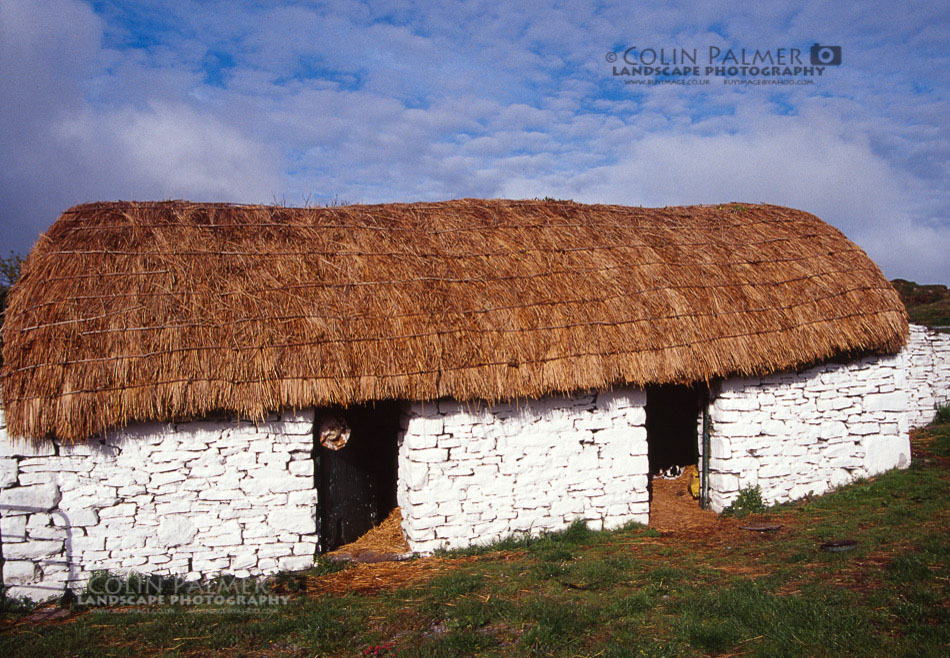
926 304
626 593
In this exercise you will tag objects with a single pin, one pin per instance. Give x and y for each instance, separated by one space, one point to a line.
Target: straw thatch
155 311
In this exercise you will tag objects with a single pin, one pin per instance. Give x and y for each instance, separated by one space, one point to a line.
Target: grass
614 594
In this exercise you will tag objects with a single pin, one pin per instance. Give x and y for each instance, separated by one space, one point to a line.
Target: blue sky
304 102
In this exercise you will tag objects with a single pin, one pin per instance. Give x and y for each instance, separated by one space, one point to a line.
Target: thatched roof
155 311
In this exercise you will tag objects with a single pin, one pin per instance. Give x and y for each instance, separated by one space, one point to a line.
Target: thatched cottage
176 375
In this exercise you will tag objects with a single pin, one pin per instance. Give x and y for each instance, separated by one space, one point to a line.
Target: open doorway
356 483
672 413
673 437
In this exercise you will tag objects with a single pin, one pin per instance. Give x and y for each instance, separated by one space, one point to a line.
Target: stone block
723 482
719 415
592 422
17 572
719 447
8 472
32 550
775 428
122 510
774 469
863 429
167 477
744 403
883 453
13 528
832 429
31 498
745 428
84 544
295 562
429 455
298 520
426 425
176 530
896 401
244 560
292 483
303 467
840 477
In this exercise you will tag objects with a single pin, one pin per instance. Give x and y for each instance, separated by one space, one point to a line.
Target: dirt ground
672 509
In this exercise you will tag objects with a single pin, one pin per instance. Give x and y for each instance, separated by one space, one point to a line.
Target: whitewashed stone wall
475 473
804 433
928 373
193 499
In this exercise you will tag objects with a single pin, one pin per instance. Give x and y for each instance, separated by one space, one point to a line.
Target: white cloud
59 148
167 150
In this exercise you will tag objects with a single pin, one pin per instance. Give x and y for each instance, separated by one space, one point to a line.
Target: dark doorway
672 413
356 484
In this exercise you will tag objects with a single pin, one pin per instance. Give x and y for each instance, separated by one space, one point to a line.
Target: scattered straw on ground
672 508
382 540
371 577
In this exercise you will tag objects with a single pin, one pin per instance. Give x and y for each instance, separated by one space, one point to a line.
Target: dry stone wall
928 373
476 473
193 499
804 433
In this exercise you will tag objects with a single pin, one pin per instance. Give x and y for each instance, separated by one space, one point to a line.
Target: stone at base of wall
882 453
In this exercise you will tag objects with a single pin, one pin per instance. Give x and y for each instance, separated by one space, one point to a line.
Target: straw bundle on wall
154 311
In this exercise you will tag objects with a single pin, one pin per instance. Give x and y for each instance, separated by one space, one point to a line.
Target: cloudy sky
306 102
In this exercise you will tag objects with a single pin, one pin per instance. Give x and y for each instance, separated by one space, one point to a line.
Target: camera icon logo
825 55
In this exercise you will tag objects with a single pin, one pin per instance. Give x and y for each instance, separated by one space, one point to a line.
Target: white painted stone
720 447
18 572
831 429
176 530
293 519
863 429
724 482
32 498
32 550
520 466
13 528
295 562
118 511
429 425
840 477
745 403
429 455
302 467
8 470
884 453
